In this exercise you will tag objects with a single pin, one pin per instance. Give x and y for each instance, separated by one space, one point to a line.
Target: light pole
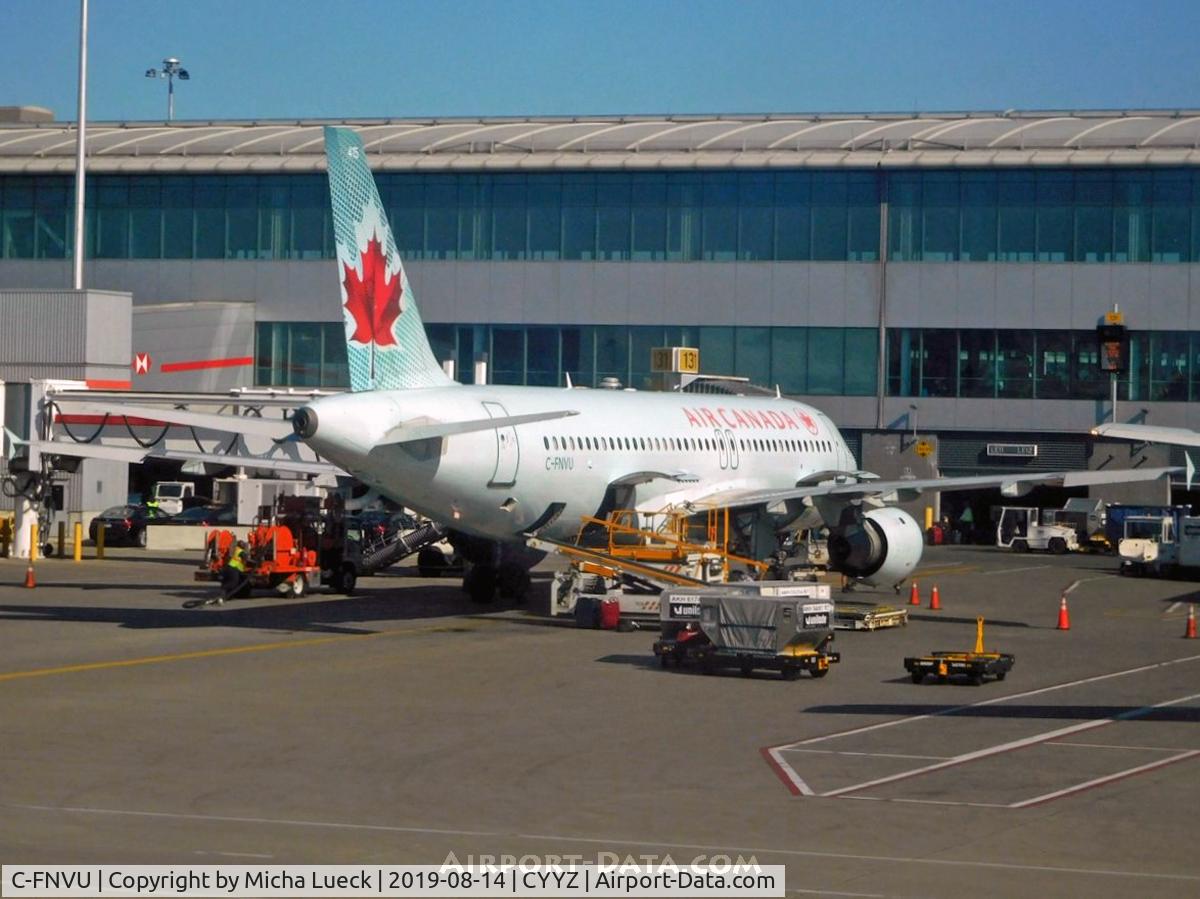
171 68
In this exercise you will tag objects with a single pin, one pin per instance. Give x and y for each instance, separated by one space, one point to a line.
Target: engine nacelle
881 546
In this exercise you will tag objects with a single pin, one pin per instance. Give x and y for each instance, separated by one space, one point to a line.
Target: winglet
569 384
1191 469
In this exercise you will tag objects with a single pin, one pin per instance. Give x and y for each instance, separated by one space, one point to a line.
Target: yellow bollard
928 517
100 541
62 539
78 541
33 543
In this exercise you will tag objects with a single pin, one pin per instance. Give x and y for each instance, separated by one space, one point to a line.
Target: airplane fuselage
500 482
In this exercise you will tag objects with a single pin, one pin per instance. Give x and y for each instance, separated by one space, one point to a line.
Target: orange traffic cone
935 601
914 596
1190 633
30 580
1064 617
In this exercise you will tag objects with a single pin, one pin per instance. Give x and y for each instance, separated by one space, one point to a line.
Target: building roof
933 140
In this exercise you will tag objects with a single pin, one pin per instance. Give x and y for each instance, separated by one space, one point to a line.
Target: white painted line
234 854
1071 587
985 702
930 801
836 893
1172 607
820 853
790 773
1110 746
1087 785
1015 570
860 857
873 755
233 819
1009 746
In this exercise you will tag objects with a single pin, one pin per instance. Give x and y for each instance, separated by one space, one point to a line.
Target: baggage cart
749 626
974 666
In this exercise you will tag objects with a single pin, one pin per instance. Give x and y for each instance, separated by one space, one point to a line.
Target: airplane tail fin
386 344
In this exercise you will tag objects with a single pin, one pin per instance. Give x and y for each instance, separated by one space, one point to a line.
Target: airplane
501 464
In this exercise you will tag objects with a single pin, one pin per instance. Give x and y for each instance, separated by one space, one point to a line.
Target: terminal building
940 276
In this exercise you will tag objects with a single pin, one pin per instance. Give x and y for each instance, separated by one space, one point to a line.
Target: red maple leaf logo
373 299
808 422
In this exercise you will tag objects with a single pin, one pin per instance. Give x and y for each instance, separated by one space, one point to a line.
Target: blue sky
377 58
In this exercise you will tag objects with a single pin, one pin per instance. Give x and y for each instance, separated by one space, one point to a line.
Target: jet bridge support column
26 507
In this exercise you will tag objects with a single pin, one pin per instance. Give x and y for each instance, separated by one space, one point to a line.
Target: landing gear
514 582
480 584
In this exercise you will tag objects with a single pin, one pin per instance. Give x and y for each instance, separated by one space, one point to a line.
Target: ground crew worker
233 575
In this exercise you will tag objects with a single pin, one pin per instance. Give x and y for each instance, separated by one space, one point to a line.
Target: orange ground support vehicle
289 549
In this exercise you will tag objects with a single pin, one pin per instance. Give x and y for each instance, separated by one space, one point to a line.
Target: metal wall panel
109 319
40 327
209 338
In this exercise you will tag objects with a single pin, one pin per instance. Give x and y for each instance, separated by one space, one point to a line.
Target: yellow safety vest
237 559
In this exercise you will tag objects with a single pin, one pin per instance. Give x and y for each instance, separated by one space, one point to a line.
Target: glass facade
829 361
1107 215
1022 215
589 216
1164 366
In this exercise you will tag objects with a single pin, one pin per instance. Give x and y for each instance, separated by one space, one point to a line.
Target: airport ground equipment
781 626
253 498
974 666
1160 545
1020 529
629 557
307 541
858 617
171 496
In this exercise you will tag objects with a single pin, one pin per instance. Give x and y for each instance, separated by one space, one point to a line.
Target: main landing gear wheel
299 585
480 584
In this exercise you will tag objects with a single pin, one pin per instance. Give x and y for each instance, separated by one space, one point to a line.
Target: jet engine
880 546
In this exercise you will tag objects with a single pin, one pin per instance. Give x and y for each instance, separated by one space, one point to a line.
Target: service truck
170 495
1160 545
1019 528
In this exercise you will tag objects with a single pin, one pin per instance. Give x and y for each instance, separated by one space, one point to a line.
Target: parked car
123 524
208 516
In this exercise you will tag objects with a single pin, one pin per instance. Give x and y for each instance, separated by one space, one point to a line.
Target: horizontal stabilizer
409 433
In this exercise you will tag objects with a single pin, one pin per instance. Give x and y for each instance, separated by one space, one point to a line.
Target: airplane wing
409 433
904 490
1149 434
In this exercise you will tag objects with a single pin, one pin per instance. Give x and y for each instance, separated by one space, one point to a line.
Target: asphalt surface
404 724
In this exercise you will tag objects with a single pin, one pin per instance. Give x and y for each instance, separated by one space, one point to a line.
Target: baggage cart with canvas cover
780 626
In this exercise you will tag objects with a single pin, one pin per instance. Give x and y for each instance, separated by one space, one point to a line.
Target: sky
288 59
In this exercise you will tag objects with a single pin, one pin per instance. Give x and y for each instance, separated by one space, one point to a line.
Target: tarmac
404 724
